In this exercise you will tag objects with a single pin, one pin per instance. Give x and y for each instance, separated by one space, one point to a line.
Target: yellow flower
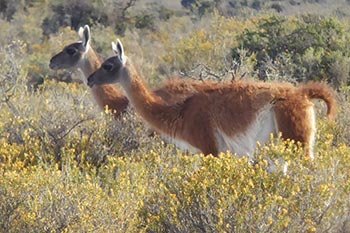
284 211
269 221
311 229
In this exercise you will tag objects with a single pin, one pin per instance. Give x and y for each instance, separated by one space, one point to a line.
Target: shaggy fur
222 116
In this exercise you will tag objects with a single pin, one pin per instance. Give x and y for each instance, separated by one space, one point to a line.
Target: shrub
74 14
157 191
229 194
311 42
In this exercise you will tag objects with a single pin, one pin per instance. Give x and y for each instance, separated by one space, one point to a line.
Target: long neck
150 106
136 89
89 63
105 95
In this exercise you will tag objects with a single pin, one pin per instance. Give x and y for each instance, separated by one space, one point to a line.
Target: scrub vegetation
67 166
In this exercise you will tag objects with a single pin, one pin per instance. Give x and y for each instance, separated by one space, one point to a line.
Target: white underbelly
245 143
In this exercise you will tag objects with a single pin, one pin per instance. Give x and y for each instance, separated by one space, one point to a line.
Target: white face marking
245 143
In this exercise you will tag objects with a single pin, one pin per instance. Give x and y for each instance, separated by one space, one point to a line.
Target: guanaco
82 56
223 116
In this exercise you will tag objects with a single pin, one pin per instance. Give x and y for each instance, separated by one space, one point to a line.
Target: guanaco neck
89 63
150 106
105 94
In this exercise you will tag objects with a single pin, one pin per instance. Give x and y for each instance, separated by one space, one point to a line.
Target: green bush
317 47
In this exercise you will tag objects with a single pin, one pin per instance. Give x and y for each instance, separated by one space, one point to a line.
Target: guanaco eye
71 51
107 66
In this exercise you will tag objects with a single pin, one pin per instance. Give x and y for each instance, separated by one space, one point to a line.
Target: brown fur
105 95
317 90
292 112
110 95
88 61
228 107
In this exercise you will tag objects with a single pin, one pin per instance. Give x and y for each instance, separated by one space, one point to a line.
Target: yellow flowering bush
67 166
229 194
159 190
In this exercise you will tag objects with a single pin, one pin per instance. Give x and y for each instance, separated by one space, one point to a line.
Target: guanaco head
73 53
112 69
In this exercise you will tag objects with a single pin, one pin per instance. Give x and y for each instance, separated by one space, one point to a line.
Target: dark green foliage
74 14
313 43
111 13
9 7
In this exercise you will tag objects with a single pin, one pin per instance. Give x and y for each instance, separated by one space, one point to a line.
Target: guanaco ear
85 35
119 50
